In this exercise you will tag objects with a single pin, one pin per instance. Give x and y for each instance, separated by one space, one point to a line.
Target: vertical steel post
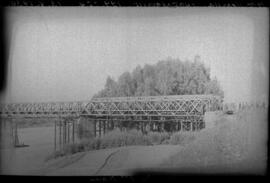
54 135
104 127
11 130
68 131
181 126
107 123
112 124
73 131
99 127
95 128
64 132
60 132
16 135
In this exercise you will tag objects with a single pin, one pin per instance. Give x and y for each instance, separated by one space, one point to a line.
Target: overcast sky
66 54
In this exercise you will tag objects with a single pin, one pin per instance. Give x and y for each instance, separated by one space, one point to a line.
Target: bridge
100 115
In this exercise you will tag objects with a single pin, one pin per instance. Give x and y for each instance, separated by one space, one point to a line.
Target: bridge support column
108 125
99 127
64 132
73 132
104 127
141 126
16 138
95 127
55 136
67 126
60 132
112 122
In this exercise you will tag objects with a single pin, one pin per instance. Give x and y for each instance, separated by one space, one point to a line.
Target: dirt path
130 159
85 163
116 161
106 162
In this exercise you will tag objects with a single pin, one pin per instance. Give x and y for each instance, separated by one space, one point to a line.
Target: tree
167 77
126 85
213 87
110 87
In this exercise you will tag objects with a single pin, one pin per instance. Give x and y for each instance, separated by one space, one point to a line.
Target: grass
182 138
117 138
158 138
236 143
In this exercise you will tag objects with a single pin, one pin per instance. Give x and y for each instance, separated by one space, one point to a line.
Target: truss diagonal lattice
153 106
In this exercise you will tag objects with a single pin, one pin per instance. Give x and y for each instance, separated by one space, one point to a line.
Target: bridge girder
177 105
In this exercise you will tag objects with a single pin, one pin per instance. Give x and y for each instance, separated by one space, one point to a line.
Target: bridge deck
176 105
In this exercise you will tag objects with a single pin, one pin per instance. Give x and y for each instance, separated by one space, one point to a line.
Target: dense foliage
168 77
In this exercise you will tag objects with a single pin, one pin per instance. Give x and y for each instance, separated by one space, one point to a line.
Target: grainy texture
238 143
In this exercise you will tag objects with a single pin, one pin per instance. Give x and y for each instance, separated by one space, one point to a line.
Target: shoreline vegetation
117 138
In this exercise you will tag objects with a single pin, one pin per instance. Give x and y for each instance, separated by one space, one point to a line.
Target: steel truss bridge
182 112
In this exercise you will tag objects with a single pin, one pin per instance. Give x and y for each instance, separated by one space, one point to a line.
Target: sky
66 53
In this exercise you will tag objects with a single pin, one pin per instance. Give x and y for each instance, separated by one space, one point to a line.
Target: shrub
83 132
181 138
157 137
68 149
167 141
117 138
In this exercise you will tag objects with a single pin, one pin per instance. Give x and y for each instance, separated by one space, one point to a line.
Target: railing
244 105
151 105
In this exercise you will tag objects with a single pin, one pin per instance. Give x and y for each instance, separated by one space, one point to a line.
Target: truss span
117 107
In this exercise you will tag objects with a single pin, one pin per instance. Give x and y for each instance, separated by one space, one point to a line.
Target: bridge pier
64 132
60 134
104 127
99 128
95 128
55 135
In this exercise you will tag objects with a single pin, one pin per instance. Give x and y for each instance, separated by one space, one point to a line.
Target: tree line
167 77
